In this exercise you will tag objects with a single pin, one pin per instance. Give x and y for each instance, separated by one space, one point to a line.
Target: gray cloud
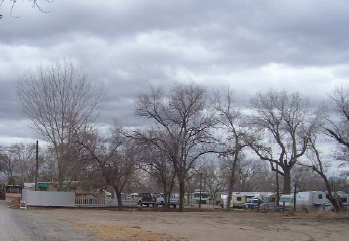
129 45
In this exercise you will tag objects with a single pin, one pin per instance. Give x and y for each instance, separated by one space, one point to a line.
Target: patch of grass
127 232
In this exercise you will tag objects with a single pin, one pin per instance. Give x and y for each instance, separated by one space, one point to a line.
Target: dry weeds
123 233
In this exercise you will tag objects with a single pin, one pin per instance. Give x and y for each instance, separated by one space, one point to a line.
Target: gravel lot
149 225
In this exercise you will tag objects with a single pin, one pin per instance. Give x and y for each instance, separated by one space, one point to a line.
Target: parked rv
238 201
312 200
268 201
205 197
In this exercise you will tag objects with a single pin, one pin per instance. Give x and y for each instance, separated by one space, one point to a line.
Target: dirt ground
160 226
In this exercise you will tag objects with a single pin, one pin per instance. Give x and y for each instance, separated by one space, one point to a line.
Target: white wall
43 198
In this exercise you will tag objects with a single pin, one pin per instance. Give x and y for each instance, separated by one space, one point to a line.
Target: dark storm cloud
130 45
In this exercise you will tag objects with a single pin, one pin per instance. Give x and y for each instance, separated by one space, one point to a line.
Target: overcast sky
132 44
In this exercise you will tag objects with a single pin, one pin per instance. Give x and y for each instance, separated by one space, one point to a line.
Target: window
238 199
286 200
320 196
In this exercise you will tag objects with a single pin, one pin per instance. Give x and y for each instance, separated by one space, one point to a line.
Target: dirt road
197 226
18 225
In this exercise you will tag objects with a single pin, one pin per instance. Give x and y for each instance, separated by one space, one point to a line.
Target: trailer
312 201
238 201
205 197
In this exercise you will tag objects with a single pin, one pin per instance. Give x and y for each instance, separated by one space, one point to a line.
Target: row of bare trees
191 130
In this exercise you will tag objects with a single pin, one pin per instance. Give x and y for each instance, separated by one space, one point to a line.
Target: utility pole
37 165
277 185
295 195
200 189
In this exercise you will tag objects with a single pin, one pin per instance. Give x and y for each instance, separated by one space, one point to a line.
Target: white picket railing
103 202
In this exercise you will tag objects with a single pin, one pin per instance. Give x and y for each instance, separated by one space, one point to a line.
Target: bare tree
157 165
254 175
285 121
337 125
186 120
7 166
231 120
114 156
35 4
60 102
317 165
213 179
18 163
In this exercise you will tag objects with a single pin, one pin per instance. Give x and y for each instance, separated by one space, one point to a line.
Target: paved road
19 225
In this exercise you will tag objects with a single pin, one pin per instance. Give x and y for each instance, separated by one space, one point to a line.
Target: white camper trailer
312 200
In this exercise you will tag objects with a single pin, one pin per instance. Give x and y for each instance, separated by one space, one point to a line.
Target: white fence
103 202
44 198
68 199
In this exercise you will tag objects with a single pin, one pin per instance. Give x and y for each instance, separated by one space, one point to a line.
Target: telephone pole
37 165
200 189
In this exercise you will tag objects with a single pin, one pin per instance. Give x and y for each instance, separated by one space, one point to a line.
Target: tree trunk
181 194
60 180
166 197
277 185
231 181
287 180
168 201
118 196
332 199
230 194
